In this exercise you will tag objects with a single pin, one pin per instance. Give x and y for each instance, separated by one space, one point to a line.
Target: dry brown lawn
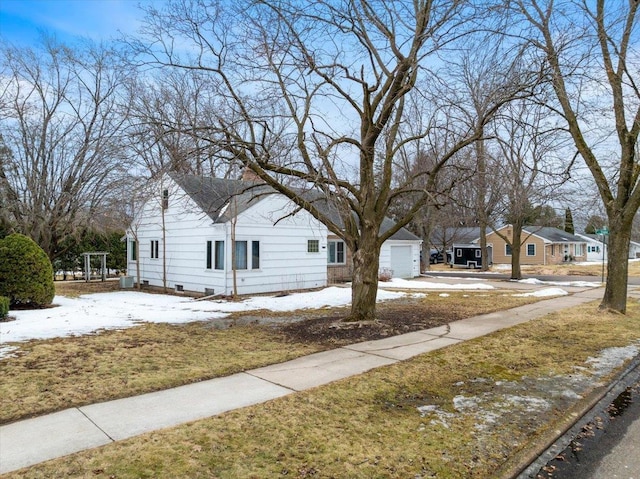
376 425
50 375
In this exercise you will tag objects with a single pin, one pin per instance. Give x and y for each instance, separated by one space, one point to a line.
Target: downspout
227 243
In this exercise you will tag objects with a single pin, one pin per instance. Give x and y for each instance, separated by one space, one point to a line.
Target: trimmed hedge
4 307
26 274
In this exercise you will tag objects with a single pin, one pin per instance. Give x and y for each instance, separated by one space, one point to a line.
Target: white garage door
401 261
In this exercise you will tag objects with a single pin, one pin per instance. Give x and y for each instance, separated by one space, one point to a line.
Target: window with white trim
165 199
240 260
155 249
335 252
507 249
242 255
219 255
531 249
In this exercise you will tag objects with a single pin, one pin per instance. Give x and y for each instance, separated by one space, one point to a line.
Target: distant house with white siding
194 232
596 249
634 250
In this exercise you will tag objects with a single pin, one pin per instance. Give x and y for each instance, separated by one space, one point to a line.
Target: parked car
436 257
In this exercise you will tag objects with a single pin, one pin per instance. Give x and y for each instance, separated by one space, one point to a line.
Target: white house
185 230
596 249
634 250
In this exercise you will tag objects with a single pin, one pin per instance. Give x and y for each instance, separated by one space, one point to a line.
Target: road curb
527 463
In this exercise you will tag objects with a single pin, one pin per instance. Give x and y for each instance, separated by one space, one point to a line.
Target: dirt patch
78 287
393 318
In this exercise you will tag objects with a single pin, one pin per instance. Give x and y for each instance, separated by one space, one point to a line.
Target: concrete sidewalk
31 441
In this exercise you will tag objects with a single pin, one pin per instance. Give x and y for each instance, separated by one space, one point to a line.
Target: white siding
284 261
386 259
595 250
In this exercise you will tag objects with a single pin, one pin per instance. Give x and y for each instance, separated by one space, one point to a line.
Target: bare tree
447 187
320 92
61 120
527 168
589 47
164 113
482 70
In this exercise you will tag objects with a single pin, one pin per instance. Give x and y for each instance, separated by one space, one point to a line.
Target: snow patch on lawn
611 358
529 395
542 293
397 283
577 284
124 309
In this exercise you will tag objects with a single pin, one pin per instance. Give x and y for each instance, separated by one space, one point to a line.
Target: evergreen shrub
4 307
26 274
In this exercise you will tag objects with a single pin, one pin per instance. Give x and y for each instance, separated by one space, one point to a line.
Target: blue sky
21 21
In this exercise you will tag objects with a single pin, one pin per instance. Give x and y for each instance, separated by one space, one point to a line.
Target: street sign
603 231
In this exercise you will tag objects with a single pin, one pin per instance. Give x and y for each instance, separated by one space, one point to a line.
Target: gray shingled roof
593 237
401 234
212 194
554 235
459 234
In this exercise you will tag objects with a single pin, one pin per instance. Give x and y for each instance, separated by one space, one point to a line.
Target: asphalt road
605 444
623 459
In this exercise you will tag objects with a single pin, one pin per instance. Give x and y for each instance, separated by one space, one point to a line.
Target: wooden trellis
87 264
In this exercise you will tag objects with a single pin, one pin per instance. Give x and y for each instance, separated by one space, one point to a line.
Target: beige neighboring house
540 245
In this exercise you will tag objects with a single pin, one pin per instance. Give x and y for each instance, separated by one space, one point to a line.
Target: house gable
532 247
195 247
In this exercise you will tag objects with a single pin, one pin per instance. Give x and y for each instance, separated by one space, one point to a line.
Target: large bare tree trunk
482 200
615 292
365 278
516 247
582 42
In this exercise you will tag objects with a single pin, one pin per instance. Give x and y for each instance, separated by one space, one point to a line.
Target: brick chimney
249 175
